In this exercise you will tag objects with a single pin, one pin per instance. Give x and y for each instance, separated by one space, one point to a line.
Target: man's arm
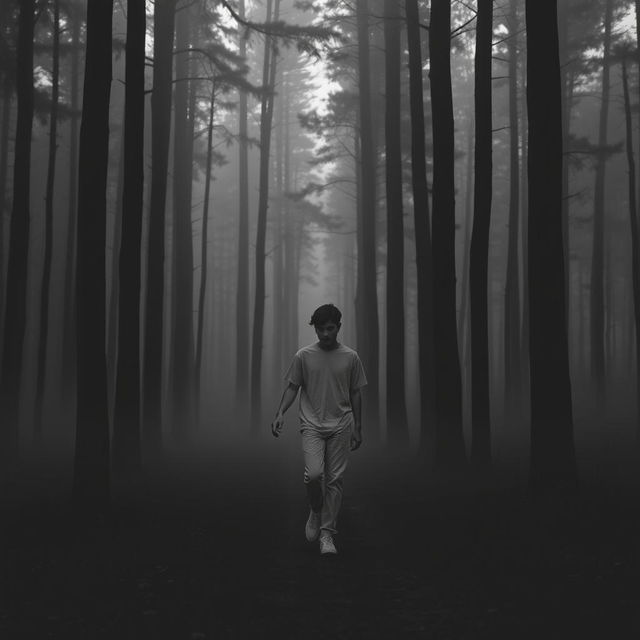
288 396
356 405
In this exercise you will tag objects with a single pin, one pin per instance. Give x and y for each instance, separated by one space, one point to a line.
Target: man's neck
333 347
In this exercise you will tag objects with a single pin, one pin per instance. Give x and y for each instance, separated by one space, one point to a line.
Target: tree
15 309
164 17
479 258
397 428
552 450
126 423
367 296
449 445
91 464
422 223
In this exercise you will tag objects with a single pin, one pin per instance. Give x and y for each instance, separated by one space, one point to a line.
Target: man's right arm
288 396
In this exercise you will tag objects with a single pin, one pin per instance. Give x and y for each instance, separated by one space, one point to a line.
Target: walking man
329 376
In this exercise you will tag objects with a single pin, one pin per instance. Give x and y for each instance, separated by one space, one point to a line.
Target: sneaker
312 529
326 544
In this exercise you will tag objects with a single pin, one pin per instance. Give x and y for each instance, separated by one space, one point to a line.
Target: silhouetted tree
164 19
126 423
397 428
91 465
424 262
15 309
479 258
552 450
449 449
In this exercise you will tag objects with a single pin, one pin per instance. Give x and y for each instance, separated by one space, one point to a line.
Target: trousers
325 461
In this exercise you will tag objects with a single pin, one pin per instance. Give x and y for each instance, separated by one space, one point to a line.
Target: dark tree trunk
449 449
597 259
204 256
91 469
69 321
424 254
15 310
552 450
126 424
368 335
512 350
182 299
266 118
633 220
48 230
164 18
479 258
242 300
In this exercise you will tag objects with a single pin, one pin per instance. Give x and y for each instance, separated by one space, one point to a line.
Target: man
330 376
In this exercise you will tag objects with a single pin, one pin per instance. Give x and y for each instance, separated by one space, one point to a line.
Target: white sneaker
312 529
326 544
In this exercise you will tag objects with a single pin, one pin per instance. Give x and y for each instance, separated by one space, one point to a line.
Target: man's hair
326 313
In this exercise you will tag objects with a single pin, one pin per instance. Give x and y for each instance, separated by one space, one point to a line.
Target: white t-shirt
326 380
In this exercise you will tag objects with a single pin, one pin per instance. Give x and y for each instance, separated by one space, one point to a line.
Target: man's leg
337 454
313 448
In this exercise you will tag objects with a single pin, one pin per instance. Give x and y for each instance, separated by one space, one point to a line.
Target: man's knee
313 475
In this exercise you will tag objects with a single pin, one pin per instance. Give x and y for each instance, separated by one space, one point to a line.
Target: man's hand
356 438
277 425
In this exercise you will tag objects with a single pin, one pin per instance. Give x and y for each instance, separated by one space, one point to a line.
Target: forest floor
215 549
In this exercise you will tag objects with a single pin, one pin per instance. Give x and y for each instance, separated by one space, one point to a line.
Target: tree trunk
512 350
479 257
597 260
16 302
126 424
552 450
422 222
368 336
242 300
48 231
449 449
397 427
182 299
91 469
266 118
69 321
633 224
203 256
164 17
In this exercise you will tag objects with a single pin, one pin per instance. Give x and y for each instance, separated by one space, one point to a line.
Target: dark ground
215 549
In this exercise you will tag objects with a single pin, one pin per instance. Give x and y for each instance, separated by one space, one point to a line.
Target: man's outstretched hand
356 439
277 425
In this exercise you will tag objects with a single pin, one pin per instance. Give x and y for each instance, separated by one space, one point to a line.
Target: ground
214 548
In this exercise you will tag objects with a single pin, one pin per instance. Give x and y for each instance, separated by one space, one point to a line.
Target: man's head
326 321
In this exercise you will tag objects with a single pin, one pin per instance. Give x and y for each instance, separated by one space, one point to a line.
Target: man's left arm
356 406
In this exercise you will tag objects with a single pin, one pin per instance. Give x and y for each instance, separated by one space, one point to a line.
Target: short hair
326 313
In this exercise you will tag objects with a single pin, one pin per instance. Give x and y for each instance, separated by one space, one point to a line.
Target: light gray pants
325 460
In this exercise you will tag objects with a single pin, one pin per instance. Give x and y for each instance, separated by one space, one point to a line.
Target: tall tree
512 348
397 427
164 19
182 297
126 423
449 449
552 450
15 310
242 299
48 231
91 469
422 222
266 119
597 256
367 296
479 258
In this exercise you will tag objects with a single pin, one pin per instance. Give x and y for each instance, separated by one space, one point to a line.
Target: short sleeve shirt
326 380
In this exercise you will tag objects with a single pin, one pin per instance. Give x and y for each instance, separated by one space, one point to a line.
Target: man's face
327 334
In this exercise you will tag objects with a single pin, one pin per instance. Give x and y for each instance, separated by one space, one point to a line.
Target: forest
184 181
